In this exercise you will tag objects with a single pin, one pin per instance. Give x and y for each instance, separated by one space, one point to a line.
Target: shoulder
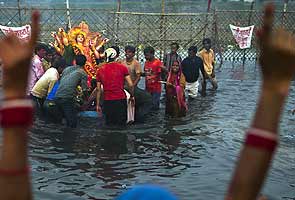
136 62
199 59
202 52
184 61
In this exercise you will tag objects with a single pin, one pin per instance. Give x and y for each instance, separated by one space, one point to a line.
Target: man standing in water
112 76
171 57
132 64
143 99
191 67
207 55
153 68
72 76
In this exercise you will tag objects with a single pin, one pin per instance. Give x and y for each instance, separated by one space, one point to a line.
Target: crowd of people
61 86
277 60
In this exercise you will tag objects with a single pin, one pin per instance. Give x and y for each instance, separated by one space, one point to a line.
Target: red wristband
17 112
261 139
14 172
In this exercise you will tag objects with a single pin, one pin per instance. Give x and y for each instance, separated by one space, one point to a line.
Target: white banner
242 35
22 32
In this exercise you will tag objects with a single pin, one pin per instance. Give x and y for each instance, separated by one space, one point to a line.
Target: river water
192 156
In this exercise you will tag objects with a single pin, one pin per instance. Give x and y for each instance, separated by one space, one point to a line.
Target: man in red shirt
111 76
153 68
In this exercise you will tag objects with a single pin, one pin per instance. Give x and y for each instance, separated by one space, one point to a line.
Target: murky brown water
192 156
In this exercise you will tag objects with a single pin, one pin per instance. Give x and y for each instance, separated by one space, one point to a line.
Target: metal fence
157 30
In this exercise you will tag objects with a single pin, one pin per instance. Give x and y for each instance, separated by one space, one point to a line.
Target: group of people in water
63 82
277 61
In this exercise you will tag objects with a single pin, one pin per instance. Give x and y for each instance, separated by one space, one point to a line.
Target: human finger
268 19
35 28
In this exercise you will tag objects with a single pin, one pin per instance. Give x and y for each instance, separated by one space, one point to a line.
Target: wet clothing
51 94
191 67
45 84
115 112
72 76
69 109
67 91
175 99
51 111
112 76
208 60
192 89
152 83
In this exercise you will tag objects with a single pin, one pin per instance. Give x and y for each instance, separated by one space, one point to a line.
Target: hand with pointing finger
16 57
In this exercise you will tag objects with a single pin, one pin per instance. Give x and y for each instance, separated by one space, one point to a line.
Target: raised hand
277 57
16 57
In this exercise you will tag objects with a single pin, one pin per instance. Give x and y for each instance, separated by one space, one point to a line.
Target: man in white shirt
44 85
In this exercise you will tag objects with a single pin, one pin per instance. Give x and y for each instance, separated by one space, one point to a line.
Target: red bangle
261 139
14 172
18 112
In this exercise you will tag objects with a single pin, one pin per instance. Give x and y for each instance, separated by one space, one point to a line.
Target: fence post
216 37
69 26
162 31
284 12
138 36
19 13
249 23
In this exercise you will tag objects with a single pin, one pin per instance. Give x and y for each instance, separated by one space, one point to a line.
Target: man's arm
202 69
98 94
84 84
130 85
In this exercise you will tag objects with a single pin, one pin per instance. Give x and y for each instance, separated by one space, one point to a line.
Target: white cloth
130 109
44 85
192 89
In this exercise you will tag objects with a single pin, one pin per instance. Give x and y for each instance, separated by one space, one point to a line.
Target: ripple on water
192 156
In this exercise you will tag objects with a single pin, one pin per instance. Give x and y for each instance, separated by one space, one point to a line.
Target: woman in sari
175 85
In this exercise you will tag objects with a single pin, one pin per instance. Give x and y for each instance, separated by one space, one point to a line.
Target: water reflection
192 156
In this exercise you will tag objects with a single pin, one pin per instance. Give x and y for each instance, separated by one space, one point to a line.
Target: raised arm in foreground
16 114
277 62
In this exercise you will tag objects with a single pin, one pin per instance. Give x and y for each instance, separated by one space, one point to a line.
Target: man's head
60 64
192 51
112 53
207 43
149 53
41 50
80 60
174 47
129 52
49 54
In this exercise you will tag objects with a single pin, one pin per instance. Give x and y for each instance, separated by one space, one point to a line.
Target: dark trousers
69 110
52 112
156 100
115 112
38 103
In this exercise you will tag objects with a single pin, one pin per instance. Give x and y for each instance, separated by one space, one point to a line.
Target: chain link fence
153 29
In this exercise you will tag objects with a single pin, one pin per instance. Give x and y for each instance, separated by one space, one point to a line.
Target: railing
157 30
